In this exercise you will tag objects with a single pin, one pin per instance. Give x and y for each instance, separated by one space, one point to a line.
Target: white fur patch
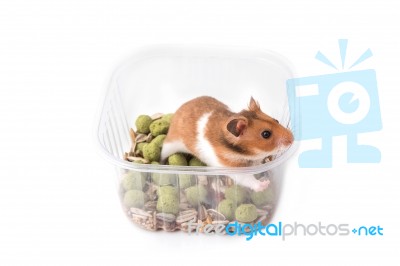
172 147
206 152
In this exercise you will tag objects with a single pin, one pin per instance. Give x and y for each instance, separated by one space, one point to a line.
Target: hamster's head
256 133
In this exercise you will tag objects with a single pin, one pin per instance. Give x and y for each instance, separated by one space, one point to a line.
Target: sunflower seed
215 215
262 212
186 216
166 217
141 138
157 116
187 211
132 135
140 212
149 138
266 207
134 158
202 213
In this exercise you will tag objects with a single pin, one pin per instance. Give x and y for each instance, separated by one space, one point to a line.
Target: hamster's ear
253 105
237 126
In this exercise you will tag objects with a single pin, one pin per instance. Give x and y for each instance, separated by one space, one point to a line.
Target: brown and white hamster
206 128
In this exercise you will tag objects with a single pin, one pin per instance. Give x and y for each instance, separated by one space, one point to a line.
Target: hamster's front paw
262 185
251 182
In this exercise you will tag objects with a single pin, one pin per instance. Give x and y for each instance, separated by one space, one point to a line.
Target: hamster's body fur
206 128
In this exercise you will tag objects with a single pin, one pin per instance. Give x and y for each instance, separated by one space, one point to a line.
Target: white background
58 202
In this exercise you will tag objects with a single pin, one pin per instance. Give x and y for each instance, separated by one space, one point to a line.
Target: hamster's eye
266 134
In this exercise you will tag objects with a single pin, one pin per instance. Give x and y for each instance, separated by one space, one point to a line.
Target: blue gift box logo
345 103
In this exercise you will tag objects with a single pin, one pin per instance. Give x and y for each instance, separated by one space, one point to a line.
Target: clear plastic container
160 79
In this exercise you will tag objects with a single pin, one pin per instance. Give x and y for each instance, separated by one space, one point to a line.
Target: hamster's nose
288 140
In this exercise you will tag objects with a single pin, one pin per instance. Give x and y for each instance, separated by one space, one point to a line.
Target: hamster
207 129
